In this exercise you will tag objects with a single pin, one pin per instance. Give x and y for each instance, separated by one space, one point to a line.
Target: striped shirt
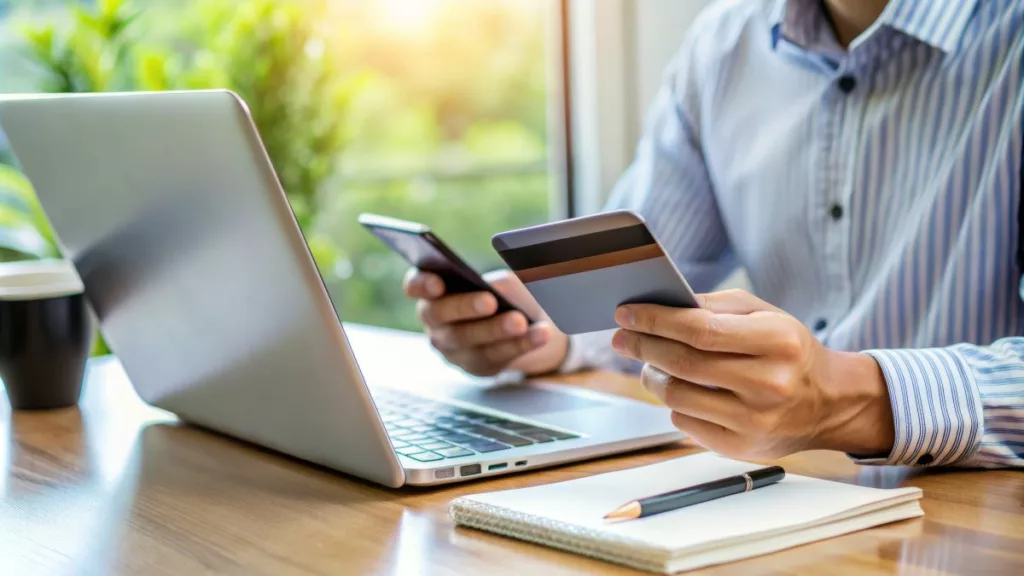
870 191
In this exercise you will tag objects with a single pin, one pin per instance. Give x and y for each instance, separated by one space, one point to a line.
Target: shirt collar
938 23
796 21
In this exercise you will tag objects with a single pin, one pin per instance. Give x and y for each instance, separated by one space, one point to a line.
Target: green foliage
366 283
91 55
355 117
88 56
269 52
273 55
24 230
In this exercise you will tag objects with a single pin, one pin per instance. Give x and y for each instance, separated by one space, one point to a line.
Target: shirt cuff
574 360
936 407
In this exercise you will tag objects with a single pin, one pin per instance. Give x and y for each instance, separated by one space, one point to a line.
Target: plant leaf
20 207
26 241
16 184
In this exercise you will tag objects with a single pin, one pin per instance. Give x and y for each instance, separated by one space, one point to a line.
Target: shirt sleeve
962 405
669 185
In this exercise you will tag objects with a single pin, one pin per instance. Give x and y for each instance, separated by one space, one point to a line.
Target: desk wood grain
116 487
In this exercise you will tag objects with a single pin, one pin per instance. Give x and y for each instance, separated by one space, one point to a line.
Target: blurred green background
430 110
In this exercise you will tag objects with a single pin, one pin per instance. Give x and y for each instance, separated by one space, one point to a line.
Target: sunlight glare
408 16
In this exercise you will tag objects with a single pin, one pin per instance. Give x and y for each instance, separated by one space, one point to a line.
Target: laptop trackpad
525 400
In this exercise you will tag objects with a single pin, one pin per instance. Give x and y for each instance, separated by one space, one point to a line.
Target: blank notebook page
794 502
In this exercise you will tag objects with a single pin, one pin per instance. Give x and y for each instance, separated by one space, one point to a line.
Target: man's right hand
465 329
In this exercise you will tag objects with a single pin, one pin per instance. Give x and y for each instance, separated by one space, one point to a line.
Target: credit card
580 270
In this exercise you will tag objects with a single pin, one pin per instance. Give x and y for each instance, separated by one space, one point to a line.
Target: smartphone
580 270
422 249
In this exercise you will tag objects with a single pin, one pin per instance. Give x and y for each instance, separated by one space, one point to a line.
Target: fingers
422 285
757 333
450 337
465 329
436 309
491 359
508 285
711 405
734 302
486 347
685 362
547 357
456 308
707 434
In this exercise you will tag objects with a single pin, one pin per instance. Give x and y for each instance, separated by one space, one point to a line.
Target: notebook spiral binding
556 534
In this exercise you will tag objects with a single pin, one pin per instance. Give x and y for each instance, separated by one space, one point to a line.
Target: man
861 159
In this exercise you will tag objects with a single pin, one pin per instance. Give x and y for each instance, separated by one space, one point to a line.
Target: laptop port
521 463
501 466
469 470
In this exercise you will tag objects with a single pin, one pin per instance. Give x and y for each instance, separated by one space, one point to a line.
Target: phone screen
418 250
422 249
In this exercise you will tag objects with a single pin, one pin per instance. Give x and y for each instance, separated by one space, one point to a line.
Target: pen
696 494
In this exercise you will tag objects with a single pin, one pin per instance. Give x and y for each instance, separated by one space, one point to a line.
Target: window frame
615 51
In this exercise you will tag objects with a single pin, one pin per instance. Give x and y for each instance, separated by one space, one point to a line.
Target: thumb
734 302
508 285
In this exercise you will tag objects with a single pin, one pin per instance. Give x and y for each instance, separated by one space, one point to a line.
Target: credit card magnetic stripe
583 253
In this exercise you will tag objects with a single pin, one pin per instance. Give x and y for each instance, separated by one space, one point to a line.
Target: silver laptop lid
190 254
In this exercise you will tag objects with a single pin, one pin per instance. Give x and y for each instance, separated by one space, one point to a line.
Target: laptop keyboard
428 431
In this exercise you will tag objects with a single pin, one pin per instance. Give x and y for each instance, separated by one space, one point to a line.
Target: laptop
205 289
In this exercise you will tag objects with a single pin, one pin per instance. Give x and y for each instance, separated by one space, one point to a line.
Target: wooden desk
120 488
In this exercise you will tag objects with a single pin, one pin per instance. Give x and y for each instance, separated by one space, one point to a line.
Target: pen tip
627 511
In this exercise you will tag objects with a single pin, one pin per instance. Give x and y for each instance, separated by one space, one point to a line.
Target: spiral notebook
797 510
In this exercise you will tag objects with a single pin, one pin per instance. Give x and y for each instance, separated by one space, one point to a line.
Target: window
430 110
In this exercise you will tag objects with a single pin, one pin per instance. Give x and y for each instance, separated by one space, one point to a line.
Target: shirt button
925 460
847 84
820 324
836 212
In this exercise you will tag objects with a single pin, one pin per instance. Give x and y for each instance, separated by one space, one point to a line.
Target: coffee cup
45 334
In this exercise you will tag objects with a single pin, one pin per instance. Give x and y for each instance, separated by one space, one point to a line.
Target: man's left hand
747 380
